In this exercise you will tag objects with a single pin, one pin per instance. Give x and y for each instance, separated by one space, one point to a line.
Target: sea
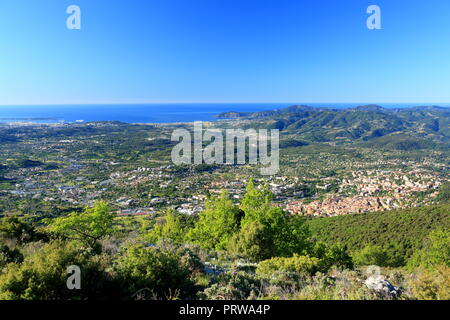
152 113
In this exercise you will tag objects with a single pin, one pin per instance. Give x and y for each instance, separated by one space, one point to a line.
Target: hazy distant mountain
363 123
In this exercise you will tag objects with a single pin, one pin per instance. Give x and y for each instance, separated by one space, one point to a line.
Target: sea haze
152 113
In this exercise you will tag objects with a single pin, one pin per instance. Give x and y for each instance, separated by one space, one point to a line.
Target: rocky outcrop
382 286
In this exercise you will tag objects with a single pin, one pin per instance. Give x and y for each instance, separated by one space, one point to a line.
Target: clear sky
224 51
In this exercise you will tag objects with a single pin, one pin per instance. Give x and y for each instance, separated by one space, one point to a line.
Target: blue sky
224 51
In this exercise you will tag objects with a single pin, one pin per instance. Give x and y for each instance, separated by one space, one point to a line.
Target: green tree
170 229
287 233
293 236
253 241
89 226
216 224
256 202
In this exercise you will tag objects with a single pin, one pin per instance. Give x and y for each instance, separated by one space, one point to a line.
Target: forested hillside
362 123
400 231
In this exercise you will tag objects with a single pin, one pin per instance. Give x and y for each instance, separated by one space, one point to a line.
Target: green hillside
405 229
429 124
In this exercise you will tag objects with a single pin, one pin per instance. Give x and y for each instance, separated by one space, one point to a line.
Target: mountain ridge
361 123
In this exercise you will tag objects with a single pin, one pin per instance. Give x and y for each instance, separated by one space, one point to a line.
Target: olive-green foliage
253 241
371 255
149 272
8 255
299 264
188 255
19 229
431 284
400 232
88 227
294 237
287 233
255 202
387 256
43 275
189 260
216 224
171 228
257 230
435 252
331 255
444 193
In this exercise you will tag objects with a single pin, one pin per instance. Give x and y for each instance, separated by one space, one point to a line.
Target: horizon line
219 102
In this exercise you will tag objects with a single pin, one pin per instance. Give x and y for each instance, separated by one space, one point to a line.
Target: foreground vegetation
250 250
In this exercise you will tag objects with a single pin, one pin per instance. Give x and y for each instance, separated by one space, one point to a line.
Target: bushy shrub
8 255
43 275
286 279
431 285
298 264
149 272
331 255
19 230
189 254
220 292
233 286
